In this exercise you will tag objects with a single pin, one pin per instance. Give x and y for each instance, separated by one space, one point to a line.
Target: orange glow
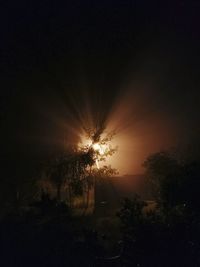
101 148
135 118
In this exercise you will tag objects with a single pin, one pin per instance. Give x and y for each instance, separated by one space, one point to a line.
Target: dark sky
135 62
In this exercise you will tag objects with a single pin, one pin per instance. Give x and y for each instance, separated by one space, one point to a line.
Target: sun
99 149
102 146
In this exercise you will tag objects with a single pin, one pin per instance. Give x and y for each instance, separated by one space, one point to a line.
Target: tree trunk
88 197
58 192
70 197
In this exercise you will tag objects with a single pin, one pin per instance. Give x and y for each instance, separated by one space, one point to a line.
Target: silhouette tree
158 167
69 170
174 183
